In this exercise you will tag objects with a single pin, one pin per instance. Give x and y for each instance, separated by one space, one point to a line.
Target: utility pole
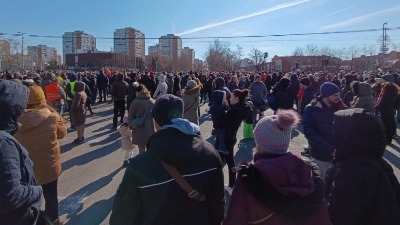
384 48
22 49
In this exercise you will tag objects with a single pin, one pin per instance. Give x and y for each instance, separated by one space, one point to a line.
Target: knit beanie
166 108
328 89
36 95
272 134
191 84
284 82
305 81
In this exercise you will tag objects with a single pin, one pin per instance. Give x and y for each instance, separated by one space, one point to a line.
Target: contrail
268 10
342 10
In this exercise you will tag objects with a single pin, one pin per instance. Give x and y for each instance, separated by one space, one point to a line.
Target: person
258 92
237 113
317 125
218 110
385 105
219 83
141 108
162 87
360 185
306 94
20 195
177 85
102 86
126 140
363 97
148 187
55 95
41 128
70 92
233 83
78 111
190 97
118 93
280 187
282 94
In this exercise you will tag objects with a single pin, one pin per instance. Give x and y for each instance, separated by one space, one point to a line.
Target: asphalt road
92 171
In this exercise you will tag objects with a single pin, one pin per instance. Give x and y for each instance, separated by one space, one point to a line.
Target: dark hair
241 94
390 89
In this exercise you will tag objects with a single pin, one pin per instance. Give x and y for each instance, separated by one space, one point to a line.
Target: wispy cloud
342 10
359 19
258 13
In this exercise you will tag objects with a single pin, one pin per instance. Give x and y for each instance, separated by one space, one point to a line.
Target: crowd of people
348 120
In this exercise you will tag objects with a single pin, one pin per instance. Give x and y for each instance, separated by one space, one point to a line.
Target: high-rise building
154 49
41 55
78 42
4 47
129 41
189 55
170 45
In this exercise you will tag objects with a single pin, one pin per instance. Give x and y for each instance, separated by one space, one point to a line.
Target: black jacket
283 98
149 195
361 187
233 119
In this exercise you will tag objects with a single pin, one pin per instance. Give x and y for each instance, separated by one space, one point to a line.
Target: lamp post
22 49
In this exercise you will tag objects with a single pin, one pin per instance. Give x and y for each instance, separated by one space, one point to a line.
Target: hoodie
218 109
20 196
363 98
162 87
284 187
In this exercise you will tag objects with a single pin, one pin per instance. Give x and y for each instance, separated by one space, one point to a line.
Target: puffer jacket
78 107
40 131
148 187
278 189
191 103
318 125
363 98
20 196
361 188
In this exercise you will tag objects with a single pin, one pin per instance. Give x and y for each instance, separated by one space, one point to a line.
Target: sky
206 20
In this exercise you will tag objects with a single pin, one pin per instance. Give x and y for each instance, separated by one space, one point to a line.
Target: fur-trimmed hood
192 91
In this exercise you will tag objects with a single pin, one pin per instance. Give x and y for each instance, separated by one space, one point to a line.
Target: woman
233 83
55 95
282 94
363 97
386 108
78 111
237 112
361 188
41 128
141 107
190 97
280 187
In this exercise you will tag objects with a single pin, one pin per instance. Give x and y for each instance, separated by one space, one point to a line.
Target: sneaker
93 114
79 141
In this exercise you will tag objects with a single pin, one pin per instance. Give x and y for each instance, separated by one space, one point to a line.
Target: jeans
102 94
230 144
119 109
220 141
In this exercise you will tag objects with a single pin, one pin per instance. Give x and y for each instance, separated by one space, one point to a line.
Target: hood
79 86
218 96
161 78
280 172
13 99
364 89
192 91
184 126
357 133
72 77
119 77
219 83
32 118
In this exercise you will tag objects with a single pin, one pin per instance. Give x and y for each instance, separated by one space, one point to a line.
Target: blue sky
206 18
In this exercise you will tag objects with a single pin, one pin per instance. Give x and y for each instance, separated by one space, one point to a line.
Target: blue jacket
318 128
20 196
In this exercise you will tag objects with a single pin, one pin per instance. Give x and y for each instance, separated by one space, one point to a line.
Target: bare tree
311 50
257 56
338 54
219 56
352 52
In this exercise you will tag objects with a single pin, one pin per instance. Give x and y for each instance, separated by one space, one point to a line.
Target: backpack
271 99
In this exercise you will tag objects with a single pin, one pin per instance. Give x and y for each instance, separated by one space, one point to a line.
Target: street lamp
22 49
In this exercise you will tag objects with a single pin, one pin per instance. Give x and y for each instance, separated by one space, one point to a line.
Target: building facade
100 60
129 41
41 55
170 45
154 49
187 58
78 42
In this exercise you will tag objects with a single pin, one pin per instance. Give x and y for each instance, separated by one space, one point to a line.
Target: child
218 110
126 135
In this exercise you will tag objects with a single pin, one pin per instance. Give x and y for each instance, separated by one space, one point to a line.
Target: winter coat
177 85
126 137
148 187
318 126
283 99
283 188
40 131
119 88
232 86
20 196
218 109
364 98
102 81
141 106
308 96
361 188
191 103
162 87
170 84
78 107
236 114
386 105
258 92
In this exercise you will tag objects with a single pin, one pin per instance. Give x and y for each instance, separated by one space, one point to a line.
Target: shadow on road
245 152
96 213
90 156
204 118
392 158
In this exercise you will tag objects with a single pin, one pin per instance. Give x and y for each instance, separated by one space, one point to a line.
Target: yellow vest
72 86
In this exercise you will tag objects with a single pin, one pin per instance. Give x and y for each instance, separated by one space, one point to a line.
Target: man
20 195
318 124
119 89
258 92
149 195
70 92
102 85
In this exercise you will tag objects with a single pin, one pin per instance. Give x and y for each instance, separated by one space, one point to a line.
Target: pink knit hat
273 133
